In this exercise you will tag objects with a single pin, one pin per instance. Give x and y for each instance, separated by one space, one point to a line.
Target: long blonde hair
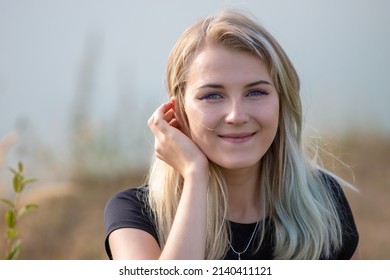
292 191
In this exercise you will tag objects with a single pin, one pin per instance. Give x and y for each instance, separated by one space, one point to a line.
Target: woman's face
232 107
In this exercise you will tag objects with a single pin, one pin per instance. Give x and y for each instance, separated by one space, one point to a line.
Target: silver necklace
247 246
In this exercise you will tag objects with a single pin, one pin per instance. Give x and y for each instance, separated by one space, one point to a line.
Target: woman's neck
243 194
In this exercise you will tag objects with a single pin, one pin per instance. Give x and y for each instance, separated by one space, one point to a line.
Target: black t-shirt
128 209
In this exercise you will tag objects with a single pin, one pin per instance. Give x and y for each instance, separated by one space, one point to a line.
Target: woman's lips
237 138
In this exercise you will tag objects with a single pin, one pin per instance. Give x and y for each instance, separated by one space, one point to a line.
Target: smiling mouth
237 138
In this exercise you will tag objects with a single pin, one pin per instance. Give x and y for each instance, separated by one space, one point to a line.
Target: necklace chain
247 246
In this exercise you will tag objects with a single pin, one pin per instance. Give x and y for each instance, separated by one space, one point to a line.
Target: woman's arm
187 237
133 244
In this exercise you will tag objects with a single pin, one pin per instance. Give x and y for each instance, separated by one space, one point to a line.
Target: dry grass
69 222
369 159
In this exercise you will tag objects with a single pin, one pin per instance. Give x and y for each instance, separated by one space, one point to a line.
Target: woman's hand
187 237
172 145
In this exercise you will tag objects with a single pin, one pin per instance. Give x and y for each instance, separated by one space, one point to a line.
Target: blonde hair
292 190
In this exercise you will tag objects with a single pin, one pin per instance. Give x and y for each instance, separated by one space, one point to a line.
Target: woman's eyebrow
261 82
211 86
218 86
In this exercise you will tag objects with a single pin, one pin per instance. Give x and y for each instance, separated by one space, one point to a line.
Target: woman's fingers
171 119
163 124
164 114
157 122
171 144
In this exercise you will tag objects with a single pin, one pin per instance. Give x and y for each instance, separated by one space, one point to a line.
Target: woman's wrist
197 171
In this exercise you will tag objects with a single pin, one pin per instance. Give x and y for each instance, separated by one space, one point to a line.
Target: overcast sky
340 49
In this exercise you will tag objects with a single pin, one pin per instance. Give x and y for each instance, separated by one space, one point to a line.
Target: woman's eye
211 96
257 92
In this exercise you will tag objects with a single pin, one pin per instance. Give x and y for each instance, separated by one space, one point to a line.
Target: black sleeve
350 232
128 209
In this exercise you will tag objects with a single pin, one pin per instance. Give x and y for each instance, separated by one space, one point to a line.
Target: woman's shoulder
133 194
331 182
127 207
349 229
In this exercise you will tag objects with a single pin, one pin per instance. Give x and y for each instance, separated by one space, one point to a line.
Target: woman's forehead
219 64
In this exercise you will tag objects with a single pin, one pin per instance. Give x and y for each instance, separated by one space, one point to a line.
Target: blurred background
79 79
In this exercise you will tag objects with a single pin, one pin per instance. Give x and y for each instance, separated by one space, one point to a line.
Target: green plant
15 212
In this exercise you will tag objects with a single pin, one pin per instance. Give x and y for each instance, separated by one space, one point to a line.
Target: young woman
230 179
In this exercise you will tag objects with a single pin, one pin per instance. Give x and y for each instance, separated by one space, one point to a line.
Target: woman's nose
236 113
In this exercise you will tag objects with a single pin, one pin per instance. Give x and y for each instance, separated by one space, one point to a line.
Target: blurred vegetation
15 212
110 147
369 158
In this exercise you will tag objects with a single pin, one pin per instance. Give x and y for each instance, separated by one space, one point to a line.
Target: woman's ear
173 101
176 122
